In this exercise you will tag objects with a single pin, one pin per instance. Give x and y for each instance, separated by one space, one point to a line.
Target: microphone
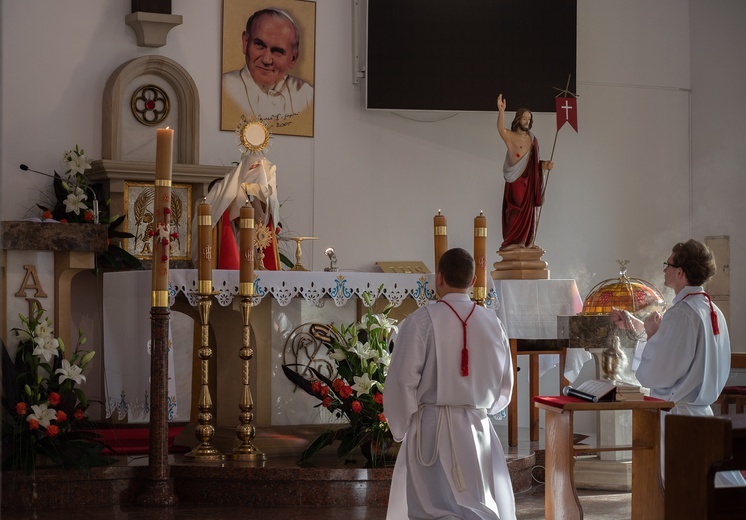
332 260
74 184
572 392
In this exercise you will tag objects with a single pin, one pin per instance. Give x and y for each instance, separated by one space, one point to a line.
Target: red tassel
464 362
715 328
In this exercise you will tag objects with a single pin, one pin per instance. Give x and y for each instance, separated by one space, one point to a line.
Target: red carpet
135 440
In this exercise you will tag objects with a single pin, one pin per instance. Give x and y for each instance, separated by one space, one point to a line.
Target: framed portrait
269 75
139 220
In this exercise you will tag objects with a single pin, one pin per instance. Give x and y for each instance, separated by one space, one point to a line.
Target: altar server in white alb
686 358
450 369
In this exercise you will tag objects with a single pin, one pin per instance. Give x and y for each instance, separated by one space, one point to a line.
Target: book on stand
605 390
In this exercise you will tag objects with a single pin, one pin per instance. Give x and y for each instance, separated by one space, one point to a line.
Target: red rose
378 398
324 390
61 416
21 408
345 391
46 214
54 398
356 406
78 414
53 430
316 387
381 417
88 216
337 384
33 424
326 402
63 221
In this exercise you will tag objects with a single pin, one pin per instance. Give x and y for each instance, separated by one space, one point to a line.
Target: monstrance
254 135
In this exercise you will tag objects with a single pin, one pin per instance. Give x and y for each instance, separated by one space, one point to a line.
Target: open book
596 390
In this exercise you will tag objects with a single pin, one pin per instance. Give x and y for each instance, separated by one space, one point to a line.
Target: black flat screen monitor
458 55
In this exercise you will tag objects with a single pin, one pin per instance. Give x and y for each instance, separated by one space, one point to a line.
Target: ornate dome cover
631 294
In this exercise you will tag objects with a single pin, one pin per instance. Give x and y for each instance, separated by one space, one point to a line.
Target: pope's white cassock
451 463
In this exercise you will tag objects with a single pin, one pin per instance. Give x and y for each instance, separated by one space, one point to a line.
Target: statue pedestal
521 264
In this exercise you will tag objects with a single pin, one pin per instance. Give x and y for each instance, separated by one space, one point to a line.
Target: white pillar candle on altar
440 231
161 214
246 255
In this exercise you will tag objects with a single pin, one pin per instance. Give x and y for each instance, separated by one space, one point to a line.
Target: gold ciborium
298 251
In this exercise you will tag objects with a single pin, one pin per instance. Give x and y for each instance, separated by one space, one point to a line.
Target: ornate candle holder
245 431
204 432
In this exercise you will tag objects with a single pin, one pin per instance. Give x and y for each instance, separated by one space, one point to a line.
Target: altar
284 302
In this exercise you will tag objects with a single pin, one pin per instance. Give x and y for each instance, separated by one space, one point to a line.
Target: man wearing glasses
686 359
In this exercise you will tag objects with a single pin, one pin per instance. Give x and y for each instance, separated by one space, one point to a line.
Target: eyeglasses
670 265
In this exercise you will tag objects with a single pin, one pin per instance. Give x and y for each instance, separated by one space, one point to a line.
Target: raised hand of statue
501 103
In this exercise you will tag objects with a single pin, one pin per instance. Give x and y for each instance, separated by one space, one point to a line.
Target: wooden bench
733 394
696 448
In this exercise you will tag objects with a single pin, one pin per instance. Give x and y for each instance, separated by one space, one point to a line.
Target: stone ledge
50 236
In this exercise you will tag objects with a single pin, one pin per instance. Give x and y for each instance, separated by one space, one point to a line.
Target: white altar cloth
316 287
529 310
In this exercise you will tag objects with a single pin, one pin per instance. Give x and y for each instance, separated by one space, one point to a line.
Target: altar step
279 482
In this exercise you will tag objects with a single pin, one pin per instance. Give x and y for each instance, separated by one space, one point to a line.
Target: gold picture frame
138 204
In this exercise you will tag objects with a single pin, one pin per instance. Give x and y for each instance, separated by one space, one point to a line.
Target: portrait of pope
268 64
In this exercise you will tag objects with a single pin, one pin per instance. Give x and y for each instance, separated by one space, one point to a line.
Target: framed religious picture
139 220
268 64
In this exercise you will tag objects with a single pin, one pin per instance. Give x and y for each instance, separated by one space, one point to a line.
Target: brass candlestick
299 252
245 431
205 430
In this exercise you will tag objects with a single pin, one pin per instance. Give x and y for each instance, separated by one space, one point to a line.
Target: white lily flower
385 323
46 347
363 385
74 201
76 163
364 351
384 359
72 372
338 354
42 414
44 327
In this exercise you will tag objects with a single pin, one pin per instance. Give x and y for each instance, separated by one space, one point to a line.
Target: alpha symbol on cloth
464 349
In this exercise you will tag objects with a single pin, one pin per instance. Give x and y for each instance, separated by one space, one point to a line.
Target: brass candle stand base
299 252
204 432
245 431
480 295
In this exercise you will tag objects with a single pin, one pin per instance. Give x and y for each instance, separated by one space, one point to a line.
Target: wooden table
532 348
560 497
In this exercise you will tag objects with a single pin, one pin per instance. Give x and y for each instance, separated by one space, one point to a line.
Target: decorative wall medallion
138 203
150 105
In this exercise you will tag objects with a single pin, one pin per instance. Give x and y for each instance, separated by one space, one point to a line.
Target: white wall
637 178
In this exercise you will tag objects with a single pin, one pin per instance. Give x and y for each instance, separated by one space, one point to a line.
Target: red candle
161 214
246 256
440 230
204 245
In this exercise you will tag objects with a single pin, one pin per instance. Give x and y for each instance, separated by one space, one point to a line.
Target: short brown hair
696 260
457 267
518 114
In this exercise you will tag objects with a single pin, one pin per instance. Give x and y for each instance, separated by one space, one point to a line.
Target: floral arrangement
44 412
355 391
71 203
